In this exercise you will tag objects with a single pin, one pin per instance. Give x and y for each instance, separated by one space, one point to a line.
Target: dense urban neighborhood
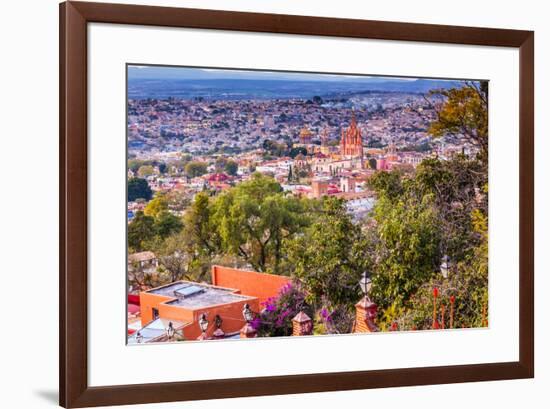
256 214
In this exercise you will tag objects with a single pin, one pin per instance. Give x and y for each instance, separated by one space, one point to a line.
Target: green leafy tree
326 259
387 184
254 218
139 189
156 206
372 163
178 200
141 230
457 188
194 169
179 261
146 170
297 151
231 168
440 209
200 226
135 164
406 250
465 290
167 224
464 111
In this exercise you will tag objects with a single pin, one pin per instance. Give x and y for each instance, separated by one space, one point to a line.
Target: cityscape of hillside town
264 204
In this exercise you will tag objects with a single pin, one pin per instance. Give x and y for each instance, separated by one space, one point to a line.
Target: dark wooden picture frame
73 257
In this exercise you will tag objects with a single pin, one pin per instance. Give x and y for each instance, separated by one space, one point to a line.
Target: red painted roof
133 309
133 299
218 177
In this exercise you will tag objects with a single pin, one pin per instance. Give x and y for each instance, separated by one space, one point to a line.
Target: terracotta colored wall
173 312
260 285
147 303
231 314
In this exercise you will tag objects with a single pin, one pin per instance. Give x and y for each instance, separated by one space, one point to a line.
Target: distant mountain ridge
190 73
281 88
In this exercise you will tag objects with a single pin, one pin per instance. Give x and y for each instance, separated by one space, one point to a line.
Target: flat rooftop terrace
194 295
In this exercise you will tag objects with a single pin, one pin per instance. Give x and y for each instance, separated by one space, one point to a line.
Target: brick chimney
248 331
365 318
301 325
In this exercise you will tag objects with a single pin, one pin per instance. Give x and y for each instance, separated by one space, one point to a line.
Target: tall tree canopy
254 218
156 206
231 167
464 111
419 217
200 226
139 189
195 168
141 230
146 170
326 257
177 256
406 249
167 224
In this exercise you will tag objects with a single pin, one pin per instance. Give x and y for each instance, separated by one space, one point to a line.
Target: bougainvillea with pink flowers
275 319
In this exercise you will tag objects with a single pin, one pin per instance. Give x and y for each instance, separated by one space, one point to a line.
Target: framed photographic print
257 204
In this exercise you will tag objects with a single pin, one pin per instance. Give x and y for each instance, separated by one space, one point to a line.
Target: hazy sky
157 72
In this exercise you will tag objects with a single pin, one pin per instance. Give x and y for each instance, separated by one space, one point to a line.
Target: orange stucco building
182 303
252 283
